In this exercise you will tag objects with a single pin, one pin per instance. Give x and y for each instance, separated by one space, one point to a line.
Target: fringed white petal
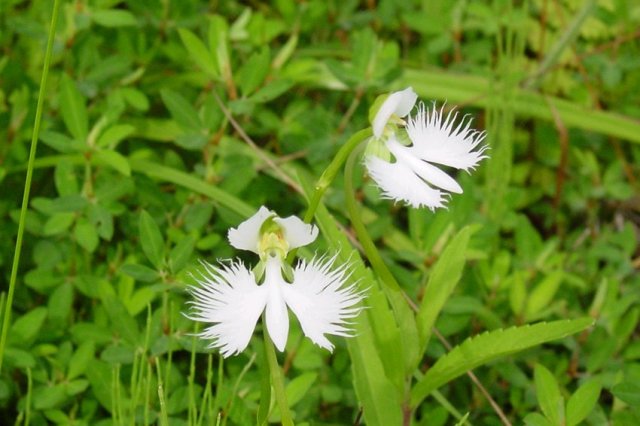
247 235
296 232
398 182
436 139
398 103
321 301
228 297
426 171
277 318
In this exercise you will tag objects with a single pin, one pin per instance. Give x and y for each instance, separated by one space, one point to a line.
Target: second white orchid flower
231 297
430 138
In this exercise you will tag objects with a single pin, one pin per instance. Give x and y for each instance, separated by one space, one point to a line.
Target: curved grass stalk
27 186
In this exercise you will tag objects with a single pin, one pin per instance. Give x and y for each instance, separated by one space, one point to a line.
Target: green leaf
100 375
536 419
181 253
65 178
114 18
86 235
59 305
549 396
58 223
543 293
113 159
442 281
299 386
140 272
80 359
629 392
73 109
254 71
122 322
486 347
181 110
114 135
151 240
26 328
199 53
582 402
218 41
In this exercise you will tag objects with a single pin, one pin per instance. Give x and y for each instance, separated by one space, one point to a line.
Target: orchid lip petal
276 315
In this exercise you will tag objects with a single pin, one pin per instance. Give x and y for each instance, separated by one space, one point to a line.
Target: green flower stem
277 381
355 217
332 170
27 186
329 174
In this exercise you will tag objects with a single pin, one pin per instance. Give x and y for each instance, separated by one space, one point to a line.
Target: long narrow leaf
479 350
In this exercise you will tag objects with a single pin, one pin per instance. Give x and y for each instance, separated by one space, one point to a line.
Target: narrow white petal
398 182
228 297
398 103
436 140
277 317
426 171
296 232
247 235
321 301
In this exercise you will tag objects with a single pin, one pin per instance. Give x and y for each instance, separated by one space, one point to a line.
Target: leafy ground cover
165 123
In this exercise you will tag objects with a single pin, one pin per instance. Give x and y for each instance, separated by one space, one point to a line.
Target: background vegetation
167 122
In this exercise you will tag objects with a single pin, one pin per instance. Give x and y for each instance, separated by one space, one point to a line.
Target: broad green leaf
111 137
549 397
86 235
140 272
181 110
181 253
113 159
151 239
299 386
121 321
114 18
629 392
100 375
80 359
62 143
26 328
254 71
486 347
218 43
199 53
582 402
73 109
65 178
58 223
543 293
536 419
442 281
59 305
45 396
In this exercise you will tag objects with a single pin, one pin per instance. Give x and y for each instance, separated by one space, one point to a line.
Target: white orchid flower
434 139
231 298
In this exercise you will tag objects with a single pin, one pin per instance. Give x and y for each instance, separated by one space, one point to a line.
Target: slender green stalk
277 381
27 185
332 170
164 420
372 253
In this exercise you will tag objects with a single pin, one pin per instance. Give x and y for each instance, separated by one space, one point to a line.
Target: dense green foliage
165 123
